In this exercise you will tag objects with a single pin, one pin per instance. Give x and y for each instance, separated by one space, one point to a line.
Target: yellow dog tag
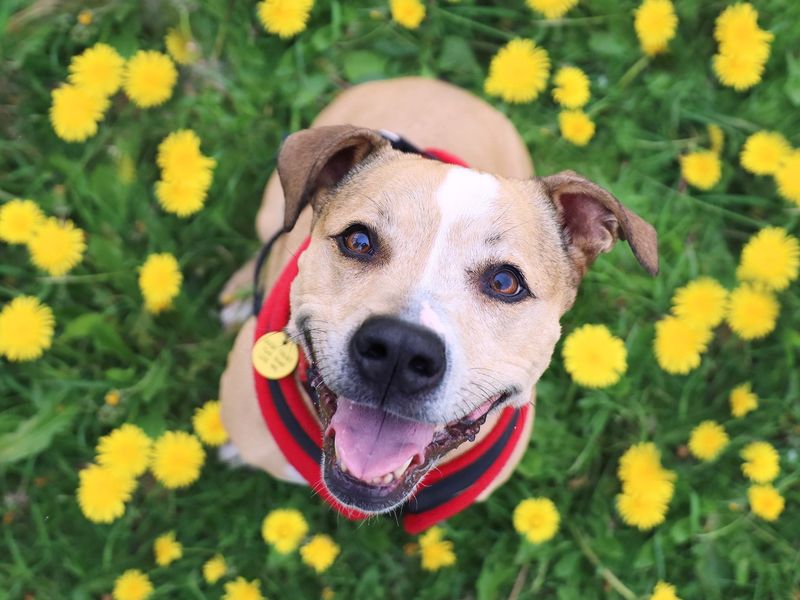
274 355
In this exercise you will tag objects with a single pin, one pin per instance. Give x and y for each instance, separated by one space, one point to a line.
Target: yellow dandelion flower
284 529
664 591
125 450
647 487
537 519
149 78
701 169
75 112
640 461
707 440
738 25
181 47
207 423
132 585
241 589
179 157
26 329
576 127
57 247
763 152
701 302
765 502
594 357
177 459
112 397
182 197
678 344
742 400
788 177
752 312
98 69
160 281
327 594
85 17
18 220
716 137
552 9
102 493
571 87
771 257
762 463
319 552
655 23
739 67
518 72
642 509
167 549
408 13
284 18
435 552
640 471
214 568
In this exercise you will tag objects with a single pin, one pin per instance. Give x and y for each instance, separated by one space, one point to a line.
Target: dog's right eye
356 241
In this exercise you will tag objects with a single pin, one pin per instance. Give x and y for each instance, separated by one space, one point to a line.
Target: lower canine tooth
398 473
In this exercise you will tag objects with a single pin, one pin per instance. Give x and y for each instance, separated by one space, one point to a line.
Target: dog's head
430 295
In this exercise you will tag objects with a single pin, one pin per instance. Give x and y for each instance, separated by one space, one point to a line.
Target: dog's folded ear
593 219
313 160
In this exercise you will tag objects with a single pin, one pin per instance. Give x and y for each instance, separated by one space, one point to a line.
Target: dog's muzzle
374 453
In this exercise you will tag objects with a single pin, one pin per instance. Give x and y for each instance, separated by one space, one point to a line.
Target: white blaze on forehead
462 196
465 194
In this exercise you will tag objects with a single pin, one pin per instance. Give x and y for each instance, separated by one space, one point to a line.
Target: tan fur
433 248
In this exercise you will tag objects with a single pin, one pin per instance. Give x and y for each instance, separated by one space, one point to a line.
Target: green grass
250 90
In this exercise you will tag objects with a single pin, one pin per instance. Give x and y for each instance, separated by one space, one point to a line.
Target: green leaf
35 435
792 85
363 65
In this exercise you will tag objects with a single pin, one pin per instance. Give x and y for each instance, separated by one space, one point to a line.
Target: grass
249 91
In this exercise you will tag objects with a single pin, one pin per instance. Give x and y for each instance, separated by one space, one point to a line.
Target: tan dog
430 295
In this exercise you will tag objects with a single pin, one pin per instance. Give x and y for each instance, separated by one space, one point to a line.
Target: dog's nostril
422 365
376 351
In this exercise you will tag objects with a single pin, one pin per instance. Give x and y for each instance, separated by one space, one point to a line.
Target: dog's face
429 296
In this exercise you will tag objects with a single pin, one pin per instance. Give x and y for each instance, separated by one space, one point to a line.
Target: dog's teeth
398 473
343 467
384 480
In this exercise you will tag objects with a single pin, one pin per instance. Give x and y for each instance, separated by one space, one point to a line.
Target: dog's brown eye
505 283
356 242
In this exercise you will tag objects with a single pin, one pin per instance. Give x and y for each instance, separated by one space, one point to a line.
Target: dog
425 297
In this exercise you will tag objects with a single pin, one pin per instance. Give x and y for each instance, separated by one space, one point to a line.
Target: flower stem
604 571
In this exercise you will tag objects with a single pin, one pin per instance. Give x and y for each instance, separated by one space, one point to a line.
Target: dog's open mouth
372 459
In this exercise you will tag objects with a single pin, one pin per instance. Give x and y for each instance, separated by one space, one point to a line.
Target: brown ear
315 159
593 220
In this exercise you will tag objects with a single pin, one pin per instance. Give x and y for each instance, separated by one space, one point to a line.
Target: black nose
389 352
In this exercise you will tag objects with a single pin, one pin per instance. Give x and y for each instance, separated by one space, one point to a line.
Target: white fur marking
429 318
464 194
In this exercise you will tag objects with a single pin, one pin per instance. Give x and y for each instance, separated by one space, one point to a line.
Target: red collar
443 492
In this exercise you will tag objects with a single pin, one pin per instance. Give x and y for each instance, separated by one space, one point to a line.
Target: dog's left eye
504 283
356 241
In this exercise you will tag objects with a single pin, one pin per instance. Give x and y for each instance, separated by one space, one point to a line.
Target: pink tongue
371 443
